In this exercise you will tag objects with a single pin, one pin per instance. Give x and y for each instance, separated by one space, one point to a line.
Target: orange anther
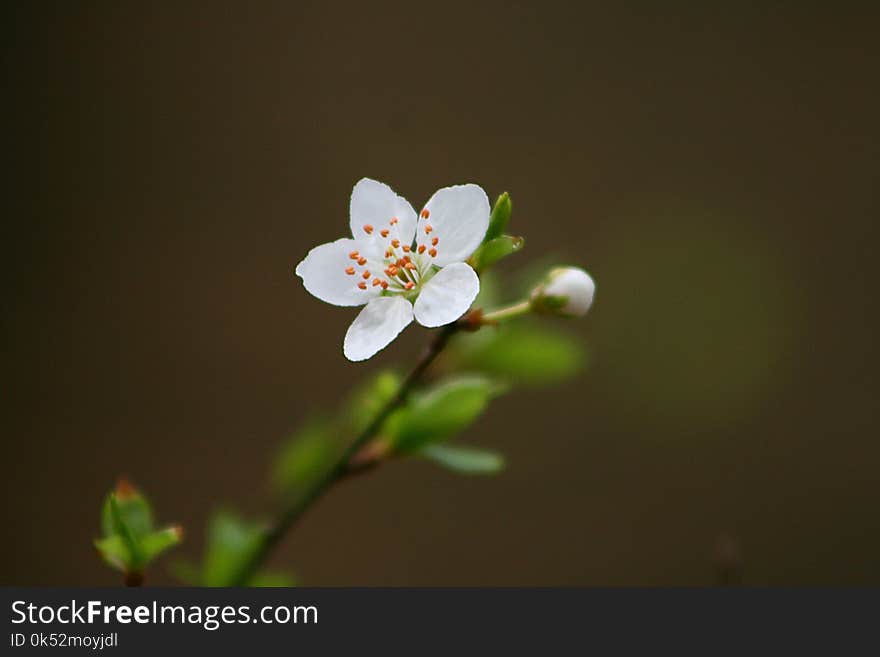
422 248
389 253
393 221
433 253
362 261
395 243
407 248
435 241
354 255
362 285
384 232
409 285
384 285
406 259
368 229
410 265
349 271
425 214
366 274
376 282
428 229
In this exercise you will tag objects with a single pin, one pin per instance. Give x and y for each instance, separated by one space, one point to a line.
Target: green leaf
130 543
114 551
370 397
154 544
441 412
499 218
132 510
124 531
304 454
465 460
523 354
231 541
494 250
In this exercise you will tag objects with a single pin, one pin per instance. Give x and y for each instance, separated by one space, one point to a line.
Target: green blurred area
714 169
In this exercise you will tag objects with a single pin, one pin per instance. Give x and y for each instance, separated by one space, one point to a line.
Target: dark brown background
714 168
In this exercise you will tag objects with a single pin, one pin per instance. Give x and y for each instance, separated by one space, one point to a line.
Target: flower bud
566 291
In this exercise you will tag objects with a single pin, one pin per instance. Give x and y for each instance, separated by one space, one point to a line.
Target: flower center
402 268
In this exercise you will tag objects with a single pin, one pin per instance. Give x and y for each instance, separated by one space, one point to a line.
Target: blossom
565 291
398 264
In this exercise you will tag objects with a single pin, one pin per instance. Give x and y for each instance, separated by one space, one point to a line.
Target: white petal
375 204
448 295
323 274
459 217
376 326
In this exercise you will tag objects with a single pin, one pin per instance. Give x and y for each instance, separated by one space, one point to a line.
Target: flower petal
323 274
458 216
376 326
373 206
448 295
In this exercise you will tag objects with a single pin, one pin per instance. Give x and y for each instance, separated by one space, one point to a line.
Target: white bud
566 291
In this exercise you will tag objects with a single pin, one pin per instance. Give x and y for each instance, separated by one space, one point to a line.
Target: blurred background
714 168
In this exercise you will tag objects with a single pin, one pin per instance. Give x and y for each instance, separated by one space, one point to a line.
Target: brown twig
290 515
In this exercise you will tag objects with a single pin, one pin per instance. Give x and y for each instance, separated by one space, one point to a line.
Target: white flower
399 264
566 291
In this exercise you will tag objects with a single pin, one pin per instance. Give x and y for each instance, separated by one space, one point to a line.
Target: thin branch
290 515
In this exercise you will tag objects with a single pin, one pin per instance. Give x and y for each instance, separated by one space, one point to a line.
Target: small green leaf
494 250
154 544
441 412
370 397
124 530
114 551
132 509
304 454
522 353
465 460
130 543
499 218
231 541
